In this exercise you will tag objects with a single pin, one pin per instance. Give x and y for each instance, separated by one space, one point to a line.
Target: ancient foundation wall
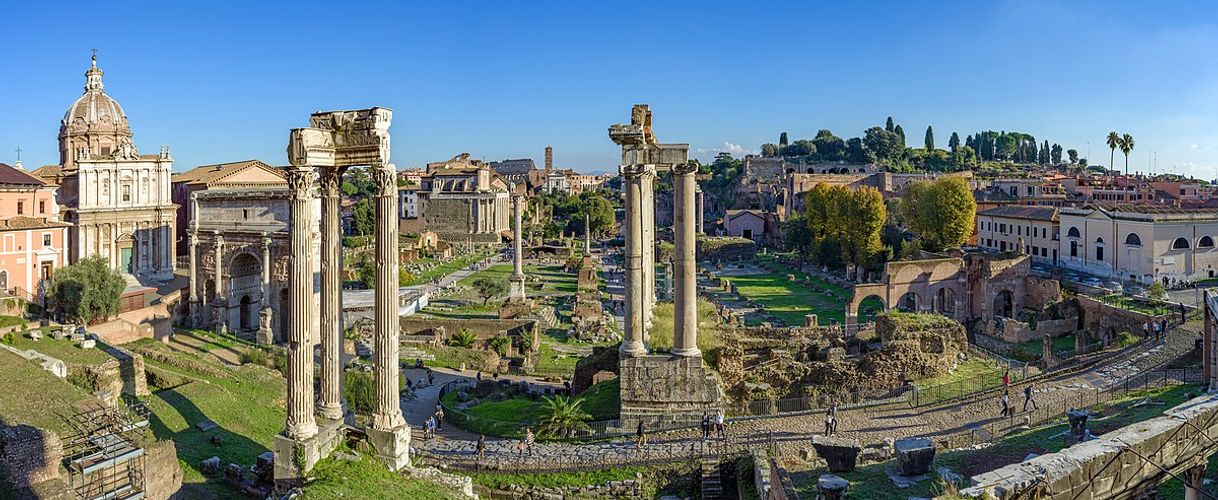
1103 321
665 391
30 454
162 471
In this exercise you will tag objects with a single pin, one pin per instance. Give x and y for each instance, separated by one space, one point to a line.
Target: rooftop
1023 212
12 177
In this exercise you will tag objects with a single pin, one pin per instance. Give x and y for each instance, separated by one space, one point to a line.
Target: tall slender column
195 296
388 412
700 207
517 279
632 342
685 304
300 422
648 215
219 323
587 234
266 271
331 406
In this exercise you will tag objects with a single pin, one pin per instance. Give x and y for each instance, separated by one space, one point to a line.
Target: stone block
392 446
88 344
264 467
831 487
914 455
1078 421
36 335
841 455
234 473
210 466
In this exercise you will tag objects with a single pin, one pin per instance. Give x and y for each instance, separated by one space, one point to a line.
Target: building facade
1021 229
32 238
1141 243
248 174
461 201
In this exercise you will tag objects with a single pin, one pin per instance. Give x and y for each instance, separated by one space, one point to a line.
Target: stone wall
442 329
610 490
1016 332
665 391
1105 322
601 359
55 366
162 471
30 454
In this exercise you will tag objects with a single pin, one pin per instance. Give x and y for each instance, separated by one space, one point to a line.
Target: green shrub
500 344
255 356
463 338
360 390
83 377
8 338
1126 339
279 358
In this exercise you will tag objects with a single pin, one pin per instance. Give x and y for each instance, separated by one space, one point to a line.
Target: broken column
840 454
265 334
1046 344
914 455
1194 481
516 292
632 341
1078 425
330 405
830 487
388 433
685 304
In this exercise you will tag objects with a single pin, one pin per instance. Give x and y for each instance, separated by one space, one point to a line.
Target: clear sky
223 81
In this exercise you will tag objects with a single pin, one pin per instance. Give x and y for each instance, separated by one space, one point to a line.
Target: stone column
1194 481
648 215
220 323
701 210
685 304
300 422
330 405
387 415
265 334
195 296
632 342
517 280
587 234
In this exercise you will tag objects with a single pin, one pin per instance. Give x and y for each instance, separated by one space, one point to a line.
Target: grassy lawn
445 268
46 402
64 350
871 481
368 478
1134 305
504 418
554 279
971 376
792 300
453 357
550 361
248 409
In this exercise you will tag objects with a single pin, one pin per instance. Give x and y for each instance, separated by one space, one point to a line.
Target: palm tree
1126 147
562 416
1114 140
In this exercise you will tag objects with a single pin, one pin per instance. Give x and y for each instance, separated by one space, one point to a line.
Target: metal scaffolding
105 454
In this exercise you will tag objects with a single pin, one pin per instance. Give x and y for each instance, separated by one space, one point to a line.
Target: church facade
118 200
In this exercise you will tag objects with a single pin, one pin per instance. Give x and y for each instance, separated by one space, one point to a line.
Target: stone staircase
712 487
545 315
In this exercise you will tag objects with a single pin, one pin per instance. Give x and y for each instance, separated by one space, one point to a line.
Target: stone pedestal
664 391
1078 421
830 487
392 446
810 320
293 459
266 335
914 455
841 454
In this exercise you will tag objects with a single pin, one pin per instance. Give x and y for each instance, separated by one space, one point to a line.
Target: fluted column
330 405
517 280
685 303
700 208
300 422
648 215
388 412
632 342
220 323
266 270
587 234
195 296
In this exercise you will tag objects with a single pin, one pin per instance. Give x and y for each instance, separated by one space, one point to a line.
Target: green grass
554 279
504 418
556 480
369 478
447 267
7 321
971 376
976 366
1033 350
453 357
46 399
792 300
550 361
871 481
247 408
1134 305
661 334
64 350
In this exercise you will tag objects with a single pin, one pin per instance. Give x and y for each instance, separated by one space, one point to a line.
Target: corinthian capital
684 169
330 179
385 178
637 170
300 181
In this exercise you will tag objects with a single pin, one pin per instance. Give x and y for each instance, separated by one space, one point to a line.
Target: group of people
1157 328
717 426
1029 392
434 422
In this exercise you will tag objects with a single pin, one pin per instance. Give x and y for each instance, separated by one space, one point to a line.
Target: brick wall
30 454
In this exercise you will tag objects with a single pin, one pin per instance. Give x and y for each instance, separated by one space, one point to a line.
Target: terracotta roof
12 176
22 222
208 174
1023 212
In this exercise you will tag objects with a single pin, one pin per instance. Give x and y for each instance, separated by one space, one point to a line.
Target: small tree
87 291
1156 291
489 288
463 338
500 344
562 416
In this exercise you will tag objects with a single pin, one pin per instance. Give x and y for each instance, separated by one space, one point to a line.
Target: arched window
1179 244
1133 239
1100 240
1073 233
1205 242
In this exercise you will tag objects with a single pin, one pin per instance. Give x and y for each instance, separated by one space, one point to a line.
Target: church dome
94 122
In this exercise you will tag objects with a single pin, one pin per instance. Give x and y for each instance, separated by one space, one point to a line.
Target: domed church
117 199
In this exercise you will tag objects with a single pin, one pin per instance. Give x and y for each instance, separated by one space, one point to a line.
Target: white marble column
300 421
685 303
388 412
195 296
700 207
266 270
632 342
330 405
648 215
219 323
587 234
517 280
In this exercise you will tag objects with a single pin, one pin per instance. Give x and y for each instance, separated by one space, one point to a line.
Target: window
1133 239
46 240
1074 249
1002 228
245 213
126 192
1073 233
42 207
1099 254
1019 230
20 207
1002 246
1205 242
1179 244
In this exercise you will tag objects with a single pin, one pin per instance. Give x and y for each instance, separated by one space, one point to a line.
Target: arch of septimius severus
318 156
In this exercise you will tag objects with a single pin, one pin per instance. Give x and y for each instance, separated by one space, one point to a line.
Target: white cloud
1193 146
734 149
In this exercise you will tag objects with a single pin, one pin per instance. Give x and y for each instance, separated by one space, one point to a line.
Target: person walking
1006 403
1157 327
1145 330
1183 313
481 448
640 436
440 418
828 423
520 449
428 427
528 439
833 413
705 426
720 427
1027 398
1006 378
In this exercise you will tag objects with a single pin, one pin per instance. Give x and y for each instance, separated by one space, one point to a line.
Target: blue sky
226 81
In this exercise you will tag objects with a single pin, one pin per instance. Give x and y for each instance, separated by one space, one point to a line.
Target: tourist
1163 329
429 427
409 384
520 449
720 427
833 412
1006 403
640 436
705 426
1027 398
1006 378
431 377
439 417
1145 330
828 423
478 376
528 439
1157 327
481 448
1183 313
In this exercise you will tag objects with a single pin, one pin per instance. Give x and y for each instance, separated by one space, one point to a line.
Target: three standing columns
330 404
301 424
685 302
632 342
387 415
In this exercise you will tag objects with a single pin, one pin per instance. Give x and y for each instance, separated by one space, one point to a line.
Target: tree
1055 154
1073 155
929 141
463 338
964 158
364 215
900 134
888 125
885 145
941 212
1044 153
1156 291
828 146
843 226
782 140
1126 148
857 152
796 237
489 288
87 291
562 416
953 143
1114 141
866 213
769 150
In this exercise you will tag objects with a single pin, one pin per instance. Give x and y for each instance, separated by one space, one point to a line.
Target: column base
690 352
294 459
392 446
331 413
632 349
